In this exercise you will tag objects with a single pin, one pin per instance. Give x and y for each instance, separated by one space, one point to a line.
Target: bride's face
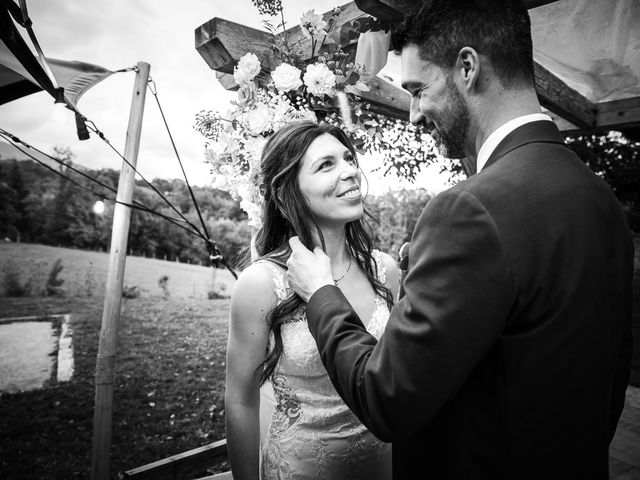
329 179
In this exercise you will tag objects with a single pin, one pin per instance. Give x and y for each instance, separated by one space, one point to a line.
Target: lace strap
279 280
382 272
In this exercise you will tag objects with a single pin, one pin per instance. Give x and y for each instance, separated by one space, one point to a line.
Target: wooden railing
184 466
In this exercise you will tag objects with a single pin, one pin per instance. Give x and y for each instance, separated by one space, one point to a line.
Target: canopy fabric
21 73
592 45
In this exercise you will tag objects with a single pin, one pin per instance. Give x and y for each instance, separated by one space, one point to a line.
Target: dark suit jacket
509 355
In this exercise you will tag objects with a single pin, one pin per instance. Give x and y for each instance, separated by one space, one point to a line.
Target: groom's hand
307 271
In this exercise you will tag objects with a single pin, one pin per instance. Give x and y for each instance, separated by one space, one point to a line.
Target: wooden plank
221 43
393 10
387 99
618 113
556 96
181 466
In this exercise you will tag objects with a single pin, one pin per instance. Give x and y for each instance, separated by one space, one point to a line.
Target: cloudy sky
117 34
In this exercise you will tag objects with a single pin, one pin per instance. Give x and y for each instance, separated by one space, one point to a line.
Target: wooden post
106 360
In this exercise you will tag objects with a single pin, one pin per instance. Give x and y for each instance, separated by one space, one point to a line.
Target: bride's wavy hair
287 213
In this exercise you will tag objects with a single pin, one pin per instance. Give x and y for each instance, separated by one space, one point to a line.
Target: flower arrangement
322 86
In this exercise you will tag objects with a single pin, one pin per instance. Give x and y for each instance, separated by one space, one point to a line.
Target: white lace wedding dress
312 433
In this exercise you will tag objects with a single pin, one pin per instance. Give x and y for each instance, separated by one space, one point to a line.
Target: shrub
163 283
130 291
54 284
218 291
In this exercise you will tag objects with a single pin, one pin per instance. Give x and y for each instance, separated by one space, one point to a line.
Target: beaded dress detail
313 434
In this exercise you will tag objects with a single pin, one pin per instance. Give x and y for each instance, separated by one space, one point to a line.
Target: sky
117 34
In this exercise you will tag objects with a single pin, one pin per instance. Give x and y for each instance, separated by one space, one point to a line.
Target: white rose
286 77
246 94
257 119
248 67
319 79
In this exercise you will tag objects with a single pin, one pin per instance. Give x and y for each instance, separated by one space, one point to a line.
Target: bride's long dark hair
286 213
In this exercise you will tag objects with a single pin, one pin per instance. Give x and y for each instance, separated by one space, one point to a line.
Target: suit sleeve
458 293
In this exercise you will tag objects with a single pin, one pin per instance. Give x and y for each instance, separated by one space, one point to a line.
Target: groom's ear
468 68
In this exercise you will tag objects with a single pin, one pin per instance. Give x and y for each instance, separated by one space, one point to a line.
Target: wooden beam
393 10
221 43
181 466
556 96
618 114
387 99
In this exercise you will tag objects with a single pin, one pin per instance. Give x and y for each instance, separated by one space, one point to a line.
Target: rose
319 79
286 77
246 70
257 120
312 24
246 94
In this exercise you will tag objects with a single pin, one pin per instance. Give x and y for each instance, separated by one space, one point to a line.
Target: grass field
85 269
170 367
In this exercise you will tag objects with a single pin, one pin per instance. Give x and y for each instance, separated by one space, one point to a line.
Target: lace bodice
313 434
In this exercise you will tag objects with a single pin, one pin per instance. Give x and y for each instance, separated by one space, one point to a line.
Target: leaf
351 89
363 87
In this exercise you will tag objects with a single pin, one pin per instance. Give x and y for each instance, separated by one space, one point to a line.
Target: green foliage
397 214
217 292
54 282
163 283
130 291
38 206
617 160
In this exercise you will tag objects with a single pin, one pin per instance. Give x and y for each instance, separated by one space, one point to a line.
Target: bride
311 187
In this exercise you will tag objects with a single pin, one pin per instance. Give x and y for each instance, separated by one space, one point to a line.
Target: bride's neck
336 244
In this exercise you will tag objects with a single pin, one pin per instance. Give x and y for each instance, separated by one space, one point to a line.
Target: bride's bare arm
392 272
252 298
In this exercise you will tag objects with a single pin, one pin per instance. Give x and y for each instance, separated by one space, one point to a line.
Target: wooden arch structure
221 43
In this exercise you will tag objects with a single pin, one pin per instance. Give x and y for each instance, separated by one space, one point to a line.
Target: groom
509 355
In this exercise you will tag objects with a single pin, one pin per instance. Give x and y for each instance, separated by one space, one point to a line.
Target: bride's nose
348 170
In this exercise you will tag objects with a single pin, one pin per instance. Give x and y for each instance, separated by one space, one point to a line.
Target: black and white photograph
320 240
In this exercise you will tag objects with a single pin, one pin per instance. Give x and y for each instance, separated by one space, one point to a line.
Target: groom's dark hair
498 29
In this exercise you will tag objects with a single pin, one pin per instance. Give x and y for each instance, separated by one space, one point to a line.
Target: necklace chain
336 280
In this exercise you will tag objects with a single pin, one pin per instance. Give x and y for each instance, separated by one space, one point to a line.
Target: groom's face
436 103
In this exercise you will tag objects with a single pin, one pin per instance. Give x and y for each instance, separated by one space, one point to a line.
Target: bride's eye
351 159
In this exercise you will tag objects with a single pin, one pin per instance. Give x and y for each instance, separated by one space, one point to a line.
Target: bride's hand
307 271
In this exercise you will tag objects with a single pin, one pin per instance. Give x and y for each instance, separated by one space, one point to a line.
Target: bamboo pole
106 359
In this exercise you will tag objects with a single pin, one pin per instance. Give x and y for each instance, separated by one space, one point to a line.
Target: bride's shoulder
263 279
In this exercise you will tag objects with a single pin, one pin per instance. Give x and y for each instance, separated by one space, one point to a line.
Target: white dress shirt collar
501 132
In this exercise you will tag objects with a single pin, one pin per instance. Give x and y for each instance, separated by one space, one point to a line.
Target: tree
617 160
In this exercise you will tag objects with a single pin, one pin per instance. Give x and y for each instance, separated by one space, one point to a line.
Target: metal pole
106 360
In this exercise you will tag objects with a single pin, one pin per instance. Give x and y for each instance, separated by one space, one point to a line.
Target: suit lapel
540 131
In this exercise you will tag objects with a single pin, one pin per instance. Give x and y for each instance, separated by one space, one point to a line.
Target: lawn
170 367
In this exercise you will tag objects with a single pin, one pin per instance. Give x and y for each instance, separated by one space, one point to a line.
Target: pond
35 352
